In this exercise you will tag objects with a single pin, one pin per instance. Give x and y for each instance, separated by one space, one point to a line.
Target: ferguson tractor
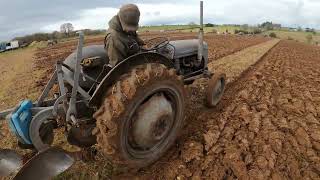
132 112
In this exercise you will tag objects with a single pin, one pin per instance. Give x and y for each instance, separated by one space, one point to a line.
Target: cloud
286 12
24 17
96 18
21 17
150 15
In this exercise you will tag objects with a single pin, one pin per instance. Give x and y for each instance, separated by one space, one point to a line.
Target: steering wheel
156 43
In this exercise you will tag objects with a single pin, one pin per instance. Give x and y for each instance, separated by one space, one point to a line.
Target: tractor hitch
26 121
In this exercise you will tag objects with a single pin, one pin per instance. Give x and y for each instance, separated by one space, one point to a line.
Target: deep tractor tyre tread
119 98
209 101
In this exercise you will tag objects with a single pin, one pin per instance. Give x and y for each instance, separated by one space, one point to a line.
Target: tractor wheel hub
153 121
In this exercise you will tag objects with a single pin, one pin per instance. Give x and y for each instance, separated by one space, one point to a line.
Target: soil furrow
192 147
219 46
267 127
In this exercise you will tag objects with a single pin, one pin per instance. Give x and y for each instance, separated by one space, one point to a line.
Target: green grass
298 36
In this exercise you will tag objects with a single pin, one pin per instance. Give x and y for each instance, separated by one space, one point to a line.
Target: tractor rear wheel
141 115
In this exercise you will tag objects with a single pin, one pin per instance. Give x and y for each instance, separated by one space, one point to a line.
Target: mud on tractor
132 112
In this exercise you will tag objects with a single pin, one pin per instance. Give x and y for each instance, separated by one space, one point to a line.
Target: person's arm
116 51
140 41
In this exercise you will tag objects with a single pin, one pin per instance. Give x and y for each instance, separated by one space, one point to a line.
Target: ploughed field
219 46
266 127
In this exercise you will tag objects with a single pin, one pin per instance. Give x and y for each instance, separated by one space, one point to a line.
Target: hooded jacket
120 44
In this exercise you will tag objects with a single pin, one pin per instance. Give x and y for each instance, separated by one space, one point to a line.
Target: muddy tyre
215 90
141 115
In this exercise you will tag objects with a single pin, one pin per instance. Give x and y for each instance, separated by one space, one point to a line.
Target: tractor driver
122 40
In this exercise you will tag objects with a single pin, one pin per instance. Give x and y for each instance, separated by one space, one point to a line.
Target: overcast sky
21 17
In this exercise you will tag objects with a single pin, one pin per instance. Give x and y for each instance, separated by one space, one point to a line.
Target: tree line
66 31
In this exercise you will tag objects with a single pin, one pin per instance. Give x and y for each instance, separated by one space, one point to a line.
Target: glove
91 62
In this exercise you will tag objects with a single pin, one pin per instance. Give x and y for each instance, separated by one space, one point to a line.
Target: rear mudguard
124 67
87 52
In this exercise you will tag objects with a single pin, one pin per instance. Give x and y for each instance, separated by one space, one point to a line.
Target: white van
12 45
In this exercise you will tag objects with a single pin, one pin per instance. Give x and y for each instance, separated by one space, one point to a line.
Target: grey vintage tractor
132 112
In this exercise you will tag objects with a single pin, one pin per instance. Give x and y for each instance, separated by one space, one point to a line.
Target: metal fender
124 67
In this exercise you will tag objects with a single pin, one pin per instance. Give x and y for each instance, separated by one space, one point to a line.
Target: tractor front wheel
141 115
215 90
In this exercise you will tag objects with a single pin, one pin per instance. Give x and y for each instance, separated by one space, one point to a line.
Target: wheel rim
218 90
152 121
40 135
161 128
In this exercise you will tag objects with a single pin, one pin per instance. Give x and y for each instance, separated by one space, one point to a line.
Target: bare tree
66 28
192 23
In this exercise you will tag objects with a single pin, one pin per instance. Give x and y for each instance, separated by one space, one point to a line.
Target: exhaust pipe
200 47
